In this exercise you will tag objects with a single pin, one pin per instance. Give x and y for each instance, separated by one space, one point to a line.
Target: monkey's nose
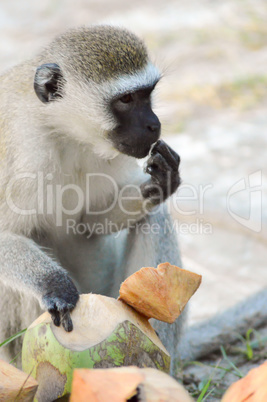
154 125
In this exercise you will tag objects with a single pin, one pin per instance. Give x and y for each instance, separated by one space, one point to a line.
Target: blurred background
212 103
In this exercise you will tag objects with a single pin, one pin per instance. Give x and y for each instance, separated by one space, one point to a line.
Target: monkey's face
122 123
137 127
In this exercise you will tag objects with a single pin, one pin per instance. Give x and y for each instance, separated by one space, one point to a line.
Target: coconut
107 333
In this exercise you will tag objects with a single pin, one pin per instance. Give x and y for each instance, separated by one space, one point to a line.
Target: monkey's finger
169 154
152 191
173 153
66 321
55 316
157 162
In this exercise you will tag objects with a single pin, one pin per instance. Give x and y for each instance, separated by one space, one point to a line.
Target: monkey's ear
47 82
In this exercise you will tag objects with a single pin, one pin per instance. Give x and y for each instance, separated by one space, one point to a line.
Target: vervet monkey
76 210
77 213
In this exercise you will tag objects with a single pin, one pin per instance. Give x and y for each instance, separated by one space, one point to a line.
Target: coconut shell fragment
121 384
15 385
251 388
105 385
161 292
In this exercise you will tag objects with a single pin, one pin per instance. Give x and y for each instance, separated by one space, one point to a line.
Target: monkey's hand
60 298
162 165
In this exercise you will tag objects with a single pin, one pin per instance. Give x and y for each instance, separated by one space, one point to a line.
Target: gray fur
100 53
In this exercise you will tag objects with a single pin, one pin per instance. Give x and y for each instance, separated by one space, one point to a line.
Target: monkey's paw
162 165
60 300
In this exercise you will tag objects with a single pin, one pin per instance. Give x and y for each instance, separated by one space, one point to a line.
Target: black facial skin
137 134
138 126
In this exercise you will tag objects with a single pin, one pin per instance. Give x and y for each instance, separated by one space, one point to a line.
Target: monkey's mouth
134 151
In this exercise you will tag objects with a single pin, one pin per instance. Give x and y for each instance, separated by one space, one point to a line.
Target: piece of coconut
15 385
251 388
106 333
120 384
161 292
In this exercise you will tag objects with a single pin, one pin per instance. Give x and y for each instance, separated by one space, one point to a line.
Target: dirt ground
212 103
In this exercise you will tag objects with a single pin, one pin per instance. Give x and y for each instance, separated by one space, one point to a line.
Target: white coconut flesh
94 318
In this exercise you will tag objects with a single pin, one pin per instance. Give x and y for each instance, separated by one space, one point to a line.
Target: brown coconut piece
161 292
251 388
120 384
104 385
15 385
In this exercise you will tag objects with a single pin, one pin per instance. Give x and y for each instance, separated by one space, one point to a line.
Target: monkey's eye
126 98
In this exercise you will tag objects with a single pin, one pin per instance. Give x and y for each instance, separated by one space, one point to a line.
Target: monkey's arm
201 339
24 266
160 180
